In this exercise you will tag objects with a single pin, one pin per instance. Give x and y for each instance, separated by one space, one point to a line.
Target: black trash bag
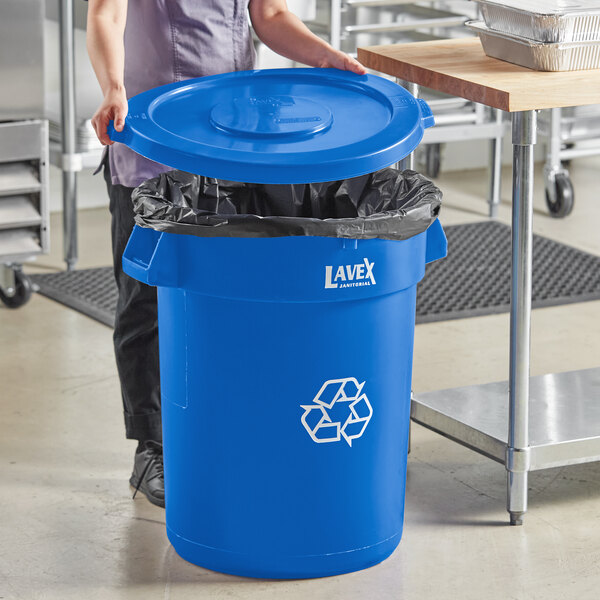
387 204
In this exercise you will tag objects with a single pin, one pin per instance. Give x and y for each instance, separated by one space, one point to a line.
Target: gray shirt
173 40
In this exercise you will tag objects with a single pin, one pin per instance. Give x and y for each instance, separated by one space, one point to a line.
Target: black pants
136 329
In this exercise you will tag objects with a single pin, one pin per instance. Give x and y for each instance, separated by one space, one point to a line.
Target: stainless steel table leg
517 452
408 162
70 158
496 169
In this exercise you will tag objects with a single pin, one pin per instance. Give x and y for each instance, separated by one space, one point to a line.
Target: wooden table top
459 67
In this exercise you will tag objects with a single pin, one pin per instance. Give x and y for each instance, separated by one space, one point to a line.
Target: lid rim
386 139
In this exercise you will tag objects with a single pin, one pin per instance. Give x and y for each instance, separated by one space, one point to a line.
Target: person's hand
340 60
113 107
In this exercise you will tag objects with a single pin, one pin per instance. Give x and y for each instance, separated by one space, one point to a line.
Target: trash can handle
436 246
147 258
426 114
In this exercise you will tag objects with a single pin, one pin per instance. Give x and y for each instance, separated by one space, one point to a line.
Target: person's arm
105 28
287 35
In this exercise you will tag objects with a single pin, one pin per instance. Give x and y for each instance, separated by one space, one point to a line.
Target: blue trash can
285 361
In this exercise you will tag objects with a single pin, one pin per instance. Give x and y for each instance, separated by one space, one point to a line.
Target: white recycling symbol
352 409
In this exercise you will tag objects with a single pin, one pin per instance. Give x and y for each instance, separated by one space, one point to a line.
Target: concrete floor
69 529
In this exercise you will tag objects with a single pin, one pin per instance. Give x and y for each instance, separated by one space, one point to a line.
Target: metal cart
527 424
564 129
23 204
23 146
344 20
348 24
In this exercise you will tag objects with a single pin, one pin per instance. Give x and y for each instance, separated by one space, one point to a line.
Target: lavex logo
350 275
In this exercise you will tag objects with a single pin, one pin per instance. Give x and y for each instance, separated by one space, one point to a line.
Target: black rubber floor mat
92 292
474 279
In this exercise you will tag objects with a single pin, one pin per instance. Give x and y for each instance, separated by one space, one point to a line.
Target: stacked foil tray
545 35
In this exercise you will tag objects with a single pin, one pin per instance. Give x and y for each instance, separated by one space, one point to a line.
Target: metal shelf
88 159
86 140
340 21
20 140
24 212
18 211
452 131
348 44
17 245
412 17
18 178
376 3
564 418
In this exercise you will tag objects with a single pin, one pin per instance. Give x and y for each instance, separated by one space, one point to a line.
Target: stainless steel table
527 424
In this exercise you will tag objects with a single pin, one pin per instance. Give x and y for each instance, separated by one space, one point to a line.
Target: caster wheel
564 197
21 292
432 160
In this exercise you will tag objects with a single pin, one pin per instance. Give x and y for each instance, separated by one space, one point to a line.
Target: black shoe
148 475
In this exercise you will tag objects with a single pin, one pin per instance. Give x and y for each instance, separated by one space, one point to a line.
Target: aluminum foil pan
562 56
545 20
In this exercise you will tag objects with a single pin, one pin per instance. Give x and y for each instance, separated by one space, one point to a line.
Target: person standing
135 45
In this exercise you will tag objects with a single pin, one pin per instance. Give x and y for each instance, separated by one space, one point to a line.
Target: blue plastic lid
276 126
